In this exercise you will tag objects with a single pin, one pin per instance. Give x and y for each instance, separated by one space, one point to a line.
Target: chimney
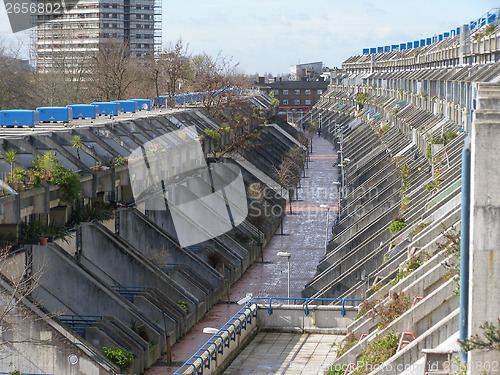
262 80
274 79
281 78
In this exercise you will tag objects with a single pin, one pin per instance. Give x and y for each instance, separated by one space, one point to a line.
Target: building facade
309 71
67 42
297 95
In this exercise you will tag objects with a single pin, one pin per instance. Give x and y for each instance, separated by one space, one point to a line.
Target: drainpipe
464 243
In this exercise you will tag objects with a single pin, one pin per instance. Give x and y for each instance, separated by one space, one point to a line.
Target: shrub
119 356
377 352
396 226
387 313
407 268
349 342
18 175
183 305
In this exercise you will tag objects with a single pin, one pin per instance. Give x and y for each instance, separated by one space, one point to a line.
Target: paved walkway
304 237
272 353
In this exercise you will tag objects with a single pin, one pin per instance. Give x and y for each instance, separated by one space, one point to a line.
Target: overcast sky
270 35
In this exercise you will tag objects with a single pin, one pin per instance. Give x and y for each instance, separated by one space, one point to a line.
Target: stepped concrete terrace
304 238
125 279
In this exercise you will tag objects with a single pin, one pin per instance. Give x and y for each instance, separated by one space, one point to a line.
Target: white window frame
296 102
320 91
296 92
285 101
308 92
308 101
285 92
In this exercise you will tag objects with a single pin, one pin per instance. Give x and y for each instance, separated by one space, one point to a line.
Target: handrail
213 339
307 301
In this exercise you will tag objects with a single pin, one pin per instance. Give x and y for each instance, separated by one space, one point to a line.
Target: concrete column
484 268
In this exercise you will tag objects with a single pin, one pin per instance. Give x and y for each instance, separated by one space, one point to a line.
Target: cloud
371 8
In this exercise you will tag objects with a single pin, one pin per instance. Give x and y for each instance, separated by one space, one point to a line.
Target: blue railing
306 302
78 323
243 325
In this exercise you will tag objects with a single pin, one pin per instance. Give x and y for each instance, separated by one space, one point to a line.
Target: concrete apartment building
308 70
69 40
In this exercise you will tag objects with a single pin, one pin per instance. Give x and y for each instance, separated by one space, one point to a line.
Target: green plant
397 225
9 156
364 307
410 266
68 182
17 175
376 353
360 98
398 304
119 161
348 342
215 136
77 143
97 212
183 305
380 131
491 339
433 185
452 247
119 356
419 228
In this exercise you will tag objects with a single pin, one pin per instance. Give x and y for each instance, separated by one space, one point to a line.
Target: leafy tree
9 156
77 143
491 339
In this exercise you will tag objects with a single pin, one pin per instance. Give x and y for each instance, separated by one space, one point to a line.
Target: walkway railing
243 320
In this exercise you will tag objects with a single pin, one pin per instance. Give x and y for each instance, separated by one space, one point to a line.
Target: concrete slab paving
304 237
289 359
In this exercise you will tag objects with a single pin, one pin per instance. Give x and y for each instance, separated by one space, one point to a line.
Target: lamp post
338 196
327 223
286 255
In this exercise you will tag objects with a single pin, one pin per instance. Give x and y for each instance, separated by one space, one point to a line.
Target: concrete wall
34 343
484 290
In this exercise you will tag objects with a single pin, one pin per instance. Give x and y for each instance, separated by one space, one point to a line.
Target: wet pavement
304 238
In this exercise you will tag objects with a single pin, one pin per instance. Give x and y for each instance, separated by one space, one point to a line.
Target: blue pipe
464 243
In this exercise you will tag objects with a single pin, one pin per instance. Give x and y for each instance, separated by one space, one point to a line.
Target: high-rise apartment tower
69 40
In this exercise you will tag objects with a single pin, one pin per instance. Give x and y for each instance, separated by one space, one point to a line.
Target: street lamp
338 196
327 223
287 255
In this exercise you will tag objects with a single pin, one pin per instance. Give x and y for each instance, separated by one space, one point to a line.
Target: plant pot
17 186
43 241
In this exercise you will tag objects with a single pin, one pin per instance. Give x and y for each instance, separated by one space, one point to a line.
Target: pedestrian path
272 353
304 238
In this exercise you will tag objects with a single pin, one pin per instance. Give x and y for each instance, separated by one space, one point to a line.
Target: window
320 91
308 101
308 92
285 102
296 102
297 92
276 92
285 92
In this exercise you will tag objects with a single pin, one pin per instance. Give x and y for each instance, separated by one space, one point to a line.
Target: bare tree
218 78
288 176
15 82
15 271
111 70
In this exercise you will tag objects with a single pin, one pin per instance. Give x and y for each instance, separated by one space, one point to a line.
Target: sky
268 36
